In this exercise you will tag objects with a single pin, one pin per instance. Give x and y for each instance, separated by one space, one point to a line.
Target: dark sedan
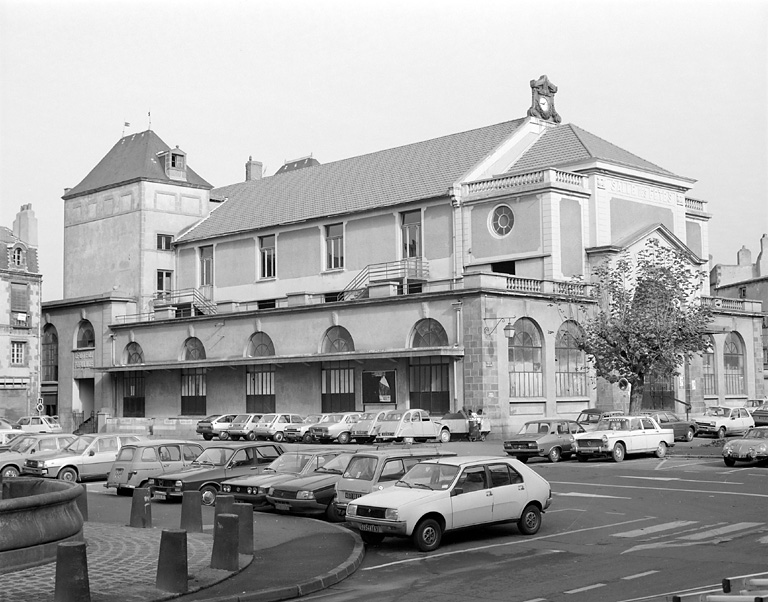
545 438
684 429
760 414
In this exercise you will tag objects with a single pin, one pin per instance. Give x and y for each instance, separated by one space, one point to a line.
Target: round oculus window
502 220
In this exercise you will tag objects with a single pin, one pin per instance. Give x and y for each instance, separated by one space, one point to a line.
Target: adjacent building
443 274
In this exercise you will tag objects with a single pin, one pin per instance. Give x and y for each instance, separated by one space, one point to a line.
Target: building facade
21 352
443 274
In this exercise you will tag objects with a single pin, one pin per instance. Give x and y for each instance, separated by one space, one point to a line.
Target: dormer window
17 257
177 161
174 162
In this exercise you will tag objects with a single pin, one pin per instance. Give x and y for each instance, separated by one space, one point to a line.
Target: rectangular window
206 266
429 384
708 376
334 246
260 389
338 387
411 233
133 395
164 242
267 250
19 305
164 278
18 353
193 390
177 161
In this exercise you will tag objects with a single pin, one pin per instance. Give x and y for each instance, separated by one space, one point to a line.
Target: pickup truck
617 436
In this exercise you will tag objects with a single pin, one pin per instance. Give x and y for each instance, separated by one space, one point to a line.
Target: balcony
524 182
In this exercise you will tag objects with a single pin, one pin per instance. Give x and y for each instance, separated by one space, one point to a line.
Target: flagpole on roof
149 119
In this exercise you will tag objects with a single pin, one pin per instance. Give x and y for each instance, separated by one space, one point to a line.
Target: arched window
708 373
733 360
525 365
85 336
18 257
134 354
260 345
429 333
193 350
336 340
570 362
50 359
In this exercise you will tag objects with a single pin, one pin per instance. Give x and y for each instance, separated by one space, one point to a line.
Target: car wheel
661 450
689 435
278 437
554 454
68 474
371 538
10 471
207 437
427 535
344 438
618 452
332 514
445 436
208 495
729 461
223 435
522 459
581 457
721 433
530 520
307 438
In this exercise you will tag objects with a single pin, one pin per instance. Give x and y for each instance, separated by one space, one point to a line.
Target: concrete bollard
191 512
82 502
225 543
224 505
72 583
172 562
245 527
141 508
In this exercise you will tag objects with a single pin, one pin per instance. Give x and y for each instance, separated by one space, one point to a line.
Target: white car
39 424
721 421
272 426
335 427
415 424
364 430
444 494
617 436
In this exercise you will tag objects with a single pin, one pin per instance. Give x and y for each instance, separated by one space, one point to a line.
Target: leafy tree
650 319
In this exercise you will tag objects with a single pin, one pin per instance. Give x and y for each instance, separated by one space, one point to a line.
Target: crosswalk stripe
656 528
721 531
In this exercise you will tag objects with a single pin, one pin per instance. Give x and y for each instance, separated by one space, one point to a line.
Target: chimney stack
25 225
253 170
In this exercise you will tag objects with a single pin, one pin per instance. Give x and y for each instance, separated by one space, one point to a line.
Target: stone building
441 274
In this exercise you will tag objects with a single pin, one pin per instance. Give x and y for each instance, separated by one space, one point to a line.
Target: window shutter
19 297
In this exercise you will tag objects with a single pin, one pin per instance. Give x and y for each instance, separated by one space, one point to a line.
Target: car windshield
337 465
428 475
757 434
716 411
290 462
613 424
80 444
331 418
590 418
217 456
534 427
267 418
368 416
22 445
361 468
312 418
242 418
392 416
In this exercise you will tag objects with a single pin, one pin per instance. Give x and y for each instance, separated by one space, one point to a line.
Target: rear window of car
126 454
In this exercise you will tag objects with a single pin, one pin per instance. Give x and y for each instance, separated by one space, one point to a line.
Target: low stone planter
35 516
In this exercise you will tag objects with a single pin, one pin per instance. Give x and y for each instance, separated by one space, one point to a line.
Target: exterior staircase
411 270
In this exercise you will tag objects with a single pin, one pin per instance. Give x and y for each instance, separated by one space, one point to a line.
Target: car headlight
260 490
179 484
305 495
225 488
352 510
762 448
391 514
152 482
728 446
605 438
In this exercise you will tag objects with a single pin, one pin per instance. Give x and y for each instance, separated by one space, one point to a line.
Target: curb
318 583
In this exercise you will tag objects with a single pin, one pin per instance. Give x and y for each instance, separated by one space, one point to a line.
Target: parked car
272 426
463 425
589 418
752 447
721 421
365 429
218 463
415 424
760 414
87 457
684 430
312 494
39 424
445 494
550 438
26 445
335 427
136 463
215 425
5 425
252 489
7 436
376 469
242 427
617 436
300 432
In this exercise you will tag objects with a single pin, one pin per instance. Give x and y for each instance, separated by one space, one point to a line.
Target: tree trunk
636 396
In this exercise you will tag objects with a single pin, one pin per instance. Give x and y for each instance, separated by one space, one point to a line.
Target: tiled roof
384 178
7 235
567 144
134 157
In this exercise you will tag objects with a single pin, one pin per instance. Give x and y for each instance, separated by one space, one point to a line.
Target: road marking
574 494
509 543
645 574
721 531
584 589
760 495
676 479
656 528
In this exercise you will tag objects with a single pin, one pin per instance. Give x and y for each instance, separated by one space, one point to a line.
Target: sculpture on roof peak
543 100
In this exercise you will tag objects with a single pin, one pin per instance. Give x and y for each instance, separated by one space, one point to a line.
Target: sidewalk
293 556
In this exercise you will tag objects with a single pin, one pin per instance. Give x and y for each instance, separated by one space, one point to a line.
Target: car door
508 489
190 451
743 420
170 457
637 440
99 457
472 498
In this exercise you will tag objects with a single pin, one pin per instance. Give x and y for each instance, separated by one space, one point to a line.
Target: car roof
152 442
464 460
551 420
405 452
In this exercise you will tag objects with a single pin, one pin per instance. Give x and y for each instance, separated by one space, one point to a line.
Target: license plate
159 495
282 506
587 450
370 528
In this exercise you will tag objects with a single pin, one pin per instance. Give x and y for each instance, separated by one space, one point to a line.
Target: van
138 462
377 469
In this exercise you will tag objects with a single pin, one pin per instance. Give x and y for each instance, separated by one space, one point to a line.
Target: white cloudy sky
681 83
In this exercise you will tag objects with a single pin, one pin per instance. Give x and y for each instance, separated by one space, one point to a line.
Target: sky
681 83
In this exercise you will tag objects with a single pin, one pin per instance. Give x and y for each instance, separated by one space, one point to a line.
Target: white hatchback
444 494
